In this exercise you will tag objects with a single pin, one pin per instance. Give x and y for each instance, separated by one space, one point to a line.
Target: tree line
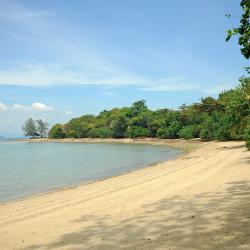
224 118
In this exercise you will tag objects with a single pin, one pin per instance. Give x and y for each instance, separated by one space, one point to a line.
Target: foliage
33 128
208 127
247 137
137 131
100 133
222 118
170 132
119 126
137 108
243 31
42 128
29 128
190 131
57 132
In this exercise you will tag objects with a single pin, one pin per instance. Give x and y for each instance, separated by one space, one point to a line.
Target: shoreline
177 144
184 145
198 201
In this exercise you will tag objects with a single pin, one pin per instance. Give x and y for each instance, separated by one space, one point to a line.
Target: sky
62 59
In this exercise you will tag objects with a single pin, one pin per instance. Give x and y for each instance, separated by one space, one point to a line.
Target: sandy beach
199 201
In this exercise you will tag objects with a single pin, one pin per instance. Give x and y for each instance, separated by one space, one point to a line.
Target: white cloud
41 107
68 112
36 106
58 74
2 106
44 75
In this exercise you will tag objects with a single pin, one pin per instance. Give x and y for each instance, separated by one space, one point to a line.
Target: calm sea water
30 168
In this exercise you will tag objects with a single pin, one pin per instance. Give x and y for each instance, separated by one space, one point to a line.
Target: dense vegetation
224 118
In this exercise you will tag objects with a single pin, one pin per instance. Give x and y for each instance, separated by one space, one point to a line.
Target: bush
246 137
119 126
208 128
190 132
170 132
100 133
206 134
57 132
136 131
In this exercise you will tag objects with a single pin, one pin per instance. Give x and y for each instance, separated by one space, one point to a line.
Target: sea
31 168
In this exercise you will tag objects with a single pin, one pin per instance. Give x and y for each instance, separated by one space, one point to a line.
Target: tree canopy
35 128
243 31
222 118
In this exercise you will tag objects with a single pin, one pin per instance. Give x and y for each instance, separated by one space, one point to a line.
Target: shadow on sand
205 222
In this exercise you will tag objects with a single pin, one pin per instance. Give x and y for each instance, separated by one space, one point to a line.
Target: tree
137 108
171 131
29 128
137 131
243 31
222 118
245 85
119 126
190 132
57 132
247 137
42 128
100 133
207 128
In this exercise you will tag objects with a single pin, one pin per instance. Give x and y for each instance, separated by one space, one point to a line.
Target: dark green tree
137 108
243 31
57 132
119 126
101 132
190 131
247 137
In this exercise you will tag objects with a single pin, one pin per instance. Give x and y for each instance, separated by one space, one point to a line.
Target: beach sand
199 201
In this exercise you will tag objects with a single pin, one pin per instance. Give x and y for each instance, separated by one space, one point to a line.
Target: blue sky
61 59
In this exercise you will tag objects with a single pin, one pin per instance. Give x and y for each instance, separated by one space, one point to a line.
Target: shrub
57 132
207 129
206 134
170 132
246 137
190 132
136 131
119 126
100 133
